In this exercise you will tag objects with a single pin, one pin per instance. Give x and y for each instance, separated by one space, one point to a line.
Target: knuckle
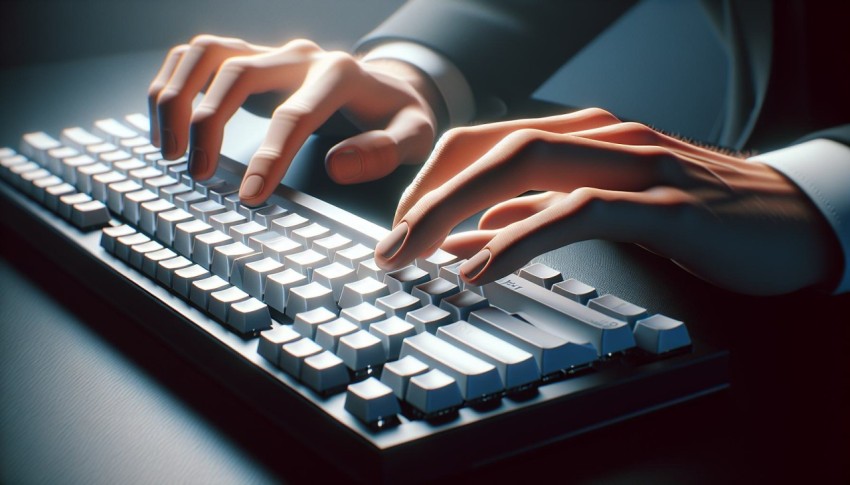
178 50
455 135
600 115
301 45
639 133
292 111
237 65
206 41
341 62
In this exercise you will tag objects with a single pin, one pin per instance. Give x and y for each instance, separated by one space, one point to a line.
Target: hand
737 224
387 101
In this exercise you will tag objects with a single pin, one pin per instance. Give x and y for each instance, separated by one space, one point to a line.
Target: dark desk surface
87 397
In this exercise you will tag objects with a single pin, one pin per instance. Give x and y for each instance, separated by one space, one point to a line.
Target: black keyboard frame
614 390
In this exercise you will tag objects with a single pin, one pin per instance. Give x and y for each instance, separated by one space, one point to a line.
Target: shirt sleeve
821 168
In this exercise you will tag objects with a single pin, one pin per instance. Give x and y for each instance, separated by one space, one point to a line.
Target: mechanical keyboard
285 305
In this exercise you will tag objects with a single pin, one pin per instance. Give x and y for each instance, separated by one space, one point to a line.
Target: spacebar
559 315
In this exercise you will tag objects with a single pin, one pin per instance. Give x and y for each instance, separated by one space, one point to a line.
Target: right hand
390 103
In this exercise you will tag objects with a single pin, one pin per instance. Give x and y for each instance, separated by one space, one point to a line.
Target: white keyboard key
185 233
115 157
272 340
204 186
98 149
434 393
542 275
309 297
132 204
516 367
127 166
225 220
324 373
101 181
151 261
278 285
371 401
398 304
396 375
141 174
361 350
433 292
167 221
267 214
112 130
247 317
334 276
85 176
204 210
182 279
170 192
166 268
243 232
220 192
353 255
433 263
575 290
292 355
40 186
66 202
460 305
369 269
281 247
560 316
330 245
79 138
363 315
110 234
366 289
305 261
131 144
255 273
15 172
428 319
306 323
475 377
257 240
552 353
307 234
186 199
52 195
618 308
392 333
201 289
35 145
55 157
88 215
139 123
288 223
328 334
406 278
156 184
659 334
148 212
137 253
124 243
115 194
225 255
7 163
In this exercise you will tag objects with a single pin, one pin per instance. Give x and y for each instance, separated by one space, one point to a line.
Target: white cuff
821 168
450 82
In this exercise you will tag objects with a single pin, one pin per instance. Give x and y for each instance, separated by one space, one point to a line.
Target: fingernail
251 186
390 245
197 162
346 164
169 144
476 264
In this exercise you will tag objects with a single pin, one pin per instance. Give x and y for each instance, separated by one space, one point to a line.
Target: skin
737 224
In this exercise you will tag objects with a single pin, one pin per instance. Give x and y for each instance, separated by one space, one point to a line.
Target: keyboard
284 304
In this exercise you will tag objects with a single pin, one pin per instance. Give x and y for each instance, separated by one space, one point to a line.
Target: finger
460 147
525 160
194 69
513 210
238 78
326 88
467 244
375 154
641 217
171 59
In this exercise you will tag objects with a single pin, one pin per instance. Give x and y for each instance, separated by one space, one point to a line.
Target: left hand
738 224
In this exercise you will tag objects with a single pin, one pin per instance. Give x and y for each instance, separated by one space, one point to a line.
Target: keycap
330 245
15 172
53 193
124 243
88 215
306 323
204 186
363 315
309 297
98 149
170 192
79 138
305 261
156 184
131 144
66 202
137 253
428 319
132 204
267 214
392 333
292 355
659 334
186 199
56 155
127 166
112 130
71 165
200 290
280 248
434 392
148 212
433 263
256 241
114 157
560 316
475 377
39 186
243 232
516 367
166 268
334 276
324 372
433 292
397 304
220 192
307 234
225 220
27 179
185 233
141 174
203 210
139 123
370 269
366 289
255 273
542 275
151 260
551 353
249 316
618 308
225 255
167 221
245 210
353 255
328 334
205 244
182 279
110 234
396 375
461 304
371 401
272 340
575 290
288 223
115 194
405 279
85 176
278 285
361 350
35 145
7 163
